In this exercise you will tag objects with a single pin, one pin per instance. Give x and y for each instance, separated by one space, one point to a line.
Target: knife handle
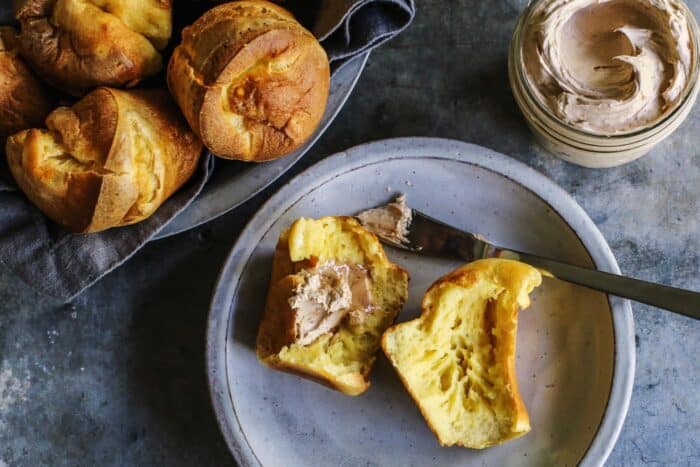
684 302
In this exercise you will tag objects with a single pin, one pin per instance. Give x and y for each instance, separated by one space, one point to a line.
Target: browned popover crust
251 81
110 160
78 45
24 102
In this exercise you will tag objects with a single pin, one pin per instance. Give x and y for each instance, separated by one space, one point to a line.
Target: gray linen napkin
62 264
347 28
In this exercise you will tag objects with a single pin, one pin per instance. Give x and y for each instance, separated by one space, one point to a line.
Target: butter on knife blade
390 222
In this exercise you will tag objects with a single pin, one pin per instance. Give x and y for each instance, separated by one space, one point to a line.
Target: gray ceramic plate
576 353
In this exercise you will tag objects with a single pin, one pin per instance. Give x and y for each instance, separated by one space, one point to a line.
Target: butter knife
427 236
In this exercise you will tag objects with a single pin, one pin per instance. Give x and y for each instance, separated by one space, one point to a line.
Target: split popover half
78 45
332 294
24 102
457 360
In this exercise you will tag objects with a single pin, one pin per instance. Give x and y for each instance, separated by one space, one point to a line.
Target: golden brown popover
110 160
457 359
78 45
24 102
332 294
251 81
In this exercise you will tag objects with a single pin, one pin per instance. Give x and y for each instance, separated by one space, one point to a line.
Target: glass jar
588 148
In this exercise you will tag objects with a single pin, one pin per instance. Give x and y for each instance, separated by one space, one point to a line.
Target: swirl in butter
609 66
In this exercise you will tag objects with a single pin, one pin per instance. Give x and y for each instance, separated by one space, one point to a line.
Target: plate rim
220 312
360 62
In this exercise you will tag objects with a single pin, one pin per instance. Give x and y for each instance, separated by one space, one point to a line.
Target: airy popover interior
457 360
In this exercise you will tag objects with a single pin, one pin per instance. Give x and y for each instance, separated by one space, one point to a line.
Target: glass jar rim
688 92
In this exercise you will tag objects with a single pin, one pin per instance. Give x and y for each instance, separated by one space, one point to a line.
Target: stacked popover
24 101
78 45
251 81
110 160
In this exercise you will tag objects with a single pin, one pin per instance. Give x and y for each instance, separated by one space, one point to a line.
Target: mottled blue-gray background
117 377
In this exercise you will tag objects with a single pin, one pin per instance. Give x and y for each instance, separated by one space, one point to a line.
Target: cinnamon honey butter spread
328 293
609 66
333 292
390 222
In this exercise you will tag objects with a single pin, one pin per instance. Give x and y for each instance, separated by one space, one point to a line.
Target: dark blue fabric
62 264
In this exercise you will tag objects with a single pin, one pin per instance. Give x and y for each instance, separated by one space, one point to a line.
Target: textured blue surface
118 377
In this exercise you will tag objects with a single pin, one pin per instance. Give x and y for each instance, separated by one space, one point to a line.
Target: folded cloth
62 264
347 28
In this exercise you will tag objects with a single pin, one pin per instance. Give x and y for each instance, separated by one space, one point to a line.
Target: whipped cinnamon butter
389 222
609 66
327 294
